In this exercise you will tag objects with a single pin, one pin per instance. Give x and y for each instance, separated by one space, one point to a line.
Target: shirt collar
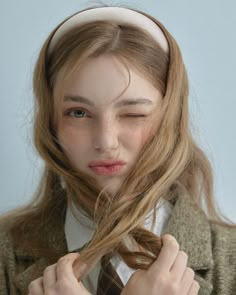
79 229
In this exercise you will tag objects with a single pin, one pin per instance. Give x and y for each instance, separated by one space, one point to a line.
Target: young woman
125 204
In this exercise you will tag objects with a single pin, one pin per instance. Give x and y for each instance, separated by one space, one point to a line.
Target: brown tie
109 283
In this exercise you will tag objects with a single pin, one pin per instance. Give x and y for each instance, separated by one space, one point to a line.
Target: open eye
77 113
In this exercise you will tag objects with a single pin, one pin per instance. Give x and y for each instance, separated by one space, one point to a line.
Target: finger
64 267
178 268
187 280
167 254
49 276
195 287
36 287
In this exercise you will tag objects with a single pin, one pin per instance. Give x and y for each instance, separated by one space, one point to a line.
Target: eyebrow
124 102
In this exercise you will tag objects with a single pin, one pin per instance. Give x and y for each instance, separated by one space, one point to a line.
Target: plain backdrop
205 32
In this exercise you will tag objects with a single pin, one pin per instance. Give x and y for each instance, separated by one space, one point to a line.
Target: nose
106 135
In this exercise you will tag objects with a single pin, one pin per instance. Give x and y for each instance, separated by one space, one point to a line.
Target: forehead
105 79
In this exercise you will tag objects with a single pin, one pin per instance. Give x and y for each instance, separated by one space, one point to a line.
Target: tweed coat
211 250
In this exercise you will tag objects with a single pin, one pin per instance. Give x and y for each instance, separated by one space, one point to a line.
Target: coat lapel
33 272
189 225
51 236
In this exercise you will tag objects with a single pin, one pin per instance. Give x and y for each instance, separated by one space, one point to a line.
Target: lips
107 167
106 163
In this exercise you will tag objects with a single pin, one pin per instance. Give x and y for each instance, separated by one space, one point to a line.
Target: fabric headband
119 15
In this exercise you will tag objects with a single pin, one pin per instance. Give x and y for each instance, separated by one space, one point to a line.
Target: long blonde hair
169 164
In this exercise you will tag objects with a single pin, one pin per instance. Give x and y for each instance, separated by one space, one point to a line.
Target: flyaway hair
170 163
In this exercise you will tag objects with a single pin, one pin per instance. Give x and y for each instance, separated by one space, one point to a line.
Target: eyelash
128 115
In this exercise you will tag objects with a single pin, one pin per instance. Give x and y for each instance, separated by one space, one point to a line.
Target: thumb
81 269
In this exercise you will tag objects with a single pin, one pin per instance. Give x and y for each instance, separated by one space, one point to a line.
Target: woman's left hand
59 279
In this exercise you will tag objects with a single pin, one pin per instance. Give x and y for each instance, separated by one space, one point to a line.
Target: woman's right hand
168 275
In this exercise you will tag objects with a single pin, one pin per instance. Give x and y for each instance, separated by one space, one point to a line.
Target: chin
111 188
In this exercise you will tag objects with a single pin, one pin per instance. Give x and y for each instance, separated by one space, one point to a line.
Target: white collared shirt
78 233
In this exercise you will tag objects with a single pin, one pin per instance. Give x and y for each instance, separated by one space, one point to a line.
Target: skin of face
103 130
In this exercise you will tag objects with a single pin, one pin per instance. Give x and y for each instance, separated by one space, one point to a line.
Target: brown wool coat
211 251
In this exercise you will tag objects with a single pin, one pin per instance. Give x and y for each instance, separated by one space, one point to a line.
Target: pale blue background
205 32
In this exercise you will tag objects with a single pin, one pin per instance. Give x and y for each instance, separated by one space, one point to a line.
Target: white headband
118 15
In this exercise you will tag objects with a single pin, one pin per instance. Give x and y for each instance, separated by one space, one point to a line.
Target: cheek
139 135
74 139
146 134
70 139
151 127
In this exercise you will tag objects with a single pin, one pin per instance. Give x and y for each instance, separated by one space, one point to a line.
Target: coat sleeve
224 256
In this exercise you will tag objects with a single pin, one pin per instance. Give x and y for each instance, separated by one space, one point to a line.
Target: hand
59 279
168 275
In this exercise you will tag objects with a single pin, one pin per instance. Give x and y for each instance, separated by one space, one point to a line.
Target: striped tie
109 283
